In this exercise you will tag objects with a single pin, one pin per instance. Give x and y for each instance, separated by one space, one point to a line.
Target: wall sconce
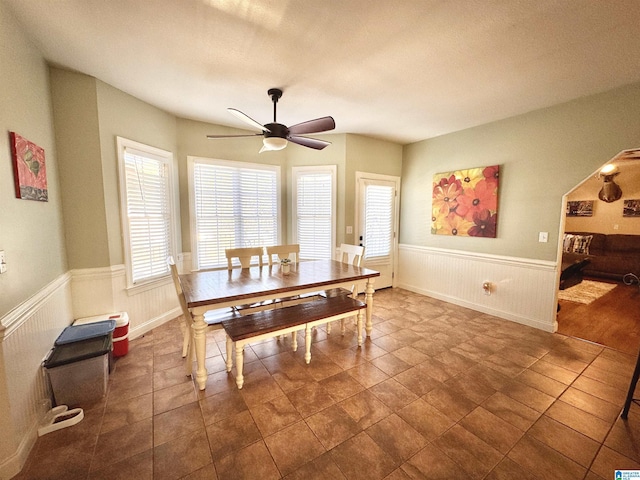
610 191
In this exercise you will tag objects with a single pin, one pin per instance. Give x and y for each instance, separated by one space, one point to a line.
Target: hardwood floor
612 320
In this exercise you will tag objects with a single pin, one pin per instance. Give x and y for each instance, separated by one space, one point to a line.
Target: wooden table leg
369 301
200 342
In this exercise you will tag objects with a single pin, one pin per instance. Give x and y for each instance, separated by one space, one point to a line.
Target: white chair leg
186 330
343 327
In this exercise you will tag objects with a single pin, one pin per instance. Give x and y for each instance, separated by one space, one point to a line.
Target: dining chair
351 255
244 256
283 251
212 318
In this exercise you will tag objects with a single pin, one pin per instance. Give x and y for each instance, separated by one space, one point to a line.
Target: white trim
10 322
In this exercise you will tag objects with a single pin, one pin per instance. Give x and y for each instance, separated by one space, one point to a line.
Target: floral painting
465 202
29 169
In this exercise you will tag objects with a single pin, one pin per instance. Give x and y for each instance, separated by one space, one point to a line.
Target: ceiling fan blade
247 119
313 126
235 136
309 142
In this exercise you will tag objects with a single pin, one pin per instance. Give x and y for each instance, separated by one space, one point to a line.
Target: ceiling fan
276 135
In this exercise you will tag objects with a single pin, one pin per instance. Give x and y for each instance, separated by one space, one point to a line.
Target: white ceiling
401 70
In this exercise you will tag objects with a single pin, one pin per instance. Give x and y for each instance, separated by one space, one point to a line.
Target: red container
121 346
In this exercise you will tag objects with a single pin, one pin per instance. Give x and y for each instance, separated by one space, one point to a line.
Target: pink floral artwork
29 169
465 202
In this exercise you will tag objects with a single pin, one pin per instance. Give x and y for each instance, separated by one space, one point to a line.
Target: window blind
148 214
234 207
314 213
378 233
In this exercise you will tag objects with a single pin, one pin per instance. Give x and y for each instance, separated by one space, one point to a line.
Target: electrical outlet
3 262
349 230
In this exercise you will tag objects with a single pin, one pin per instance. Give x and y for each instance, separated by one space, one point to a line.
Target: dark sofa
610 256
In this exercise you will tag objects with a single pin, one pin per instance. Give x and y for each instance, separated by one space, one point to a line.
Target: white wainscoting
523 290
27 334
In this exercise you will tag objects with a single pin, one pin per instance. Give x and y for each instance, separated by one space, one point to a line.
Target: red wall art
465 202
29 169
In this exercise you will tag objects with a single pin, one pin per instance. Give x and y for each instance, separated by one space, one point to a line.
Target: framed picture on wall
631 208
465 202
580 208
30 173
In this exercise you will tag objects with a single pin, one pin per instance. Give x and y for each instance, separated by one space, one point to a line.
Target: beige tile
341 386
431 462
512 411
248 463
365 409
425 419
122 443
607 461
565 440
320 468
232 434
332 426
361 458
176 423
274 415
450 401
120 413
397 438
579 420
476 457
181 456
173 397
546 462
139 466
310 399
367 374
491 429
507 469
590 404
393 394
293 447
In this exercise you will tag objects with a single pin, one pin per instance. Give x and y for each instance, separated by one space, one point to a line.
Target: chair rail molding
522 290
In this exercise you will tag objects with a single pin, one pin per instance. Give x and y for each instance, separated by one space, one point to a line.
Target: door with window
377 223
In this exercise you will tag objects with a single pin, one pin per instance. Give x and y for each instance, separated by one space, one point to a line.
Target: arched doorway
596 305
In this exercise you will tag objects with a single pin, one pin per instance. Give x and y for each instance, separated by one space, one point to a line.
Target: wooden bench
270 323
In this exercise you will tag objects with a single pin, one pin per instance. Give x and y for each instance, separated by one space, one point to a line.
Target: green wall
542 154
31 232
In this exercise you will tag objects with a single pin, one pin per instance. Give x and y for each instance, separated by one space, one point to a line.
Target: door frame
396 213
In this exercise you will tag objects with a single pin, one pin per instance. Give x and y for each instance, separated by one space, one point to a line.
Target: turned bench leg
294 341
229 361
239 364
307 343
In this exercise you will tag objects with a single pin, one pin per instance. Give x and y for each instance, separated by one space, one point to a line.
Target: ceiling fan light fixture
274 143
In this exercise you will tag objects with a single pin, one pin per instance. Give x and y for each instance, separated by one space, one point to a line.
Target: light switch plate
3 263
543 237
349 230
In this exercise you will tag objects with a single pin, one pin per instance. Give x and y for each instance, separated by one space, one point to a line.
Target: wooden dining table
214 289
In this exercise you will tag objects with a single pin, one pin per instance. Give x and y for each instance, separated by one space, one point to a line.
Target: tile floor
438 391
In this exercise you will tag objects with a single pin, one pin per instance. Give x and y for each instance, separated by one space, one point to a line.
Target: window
146 192
314 205
233 204
378 219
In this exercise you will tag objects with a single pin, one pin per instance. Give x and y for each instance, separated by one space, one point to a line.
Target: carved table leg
200 342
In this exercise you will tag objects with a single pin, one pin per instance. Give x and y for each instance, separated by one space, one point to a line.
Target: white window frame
324 169
166 158
191 161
